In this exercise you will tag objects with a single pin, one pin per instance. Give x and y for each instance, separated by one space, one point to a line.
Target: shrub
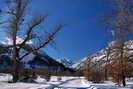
27 75
94 75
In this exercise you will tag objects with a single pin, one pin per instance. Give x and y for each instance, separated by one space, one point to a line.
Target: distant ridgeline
36 61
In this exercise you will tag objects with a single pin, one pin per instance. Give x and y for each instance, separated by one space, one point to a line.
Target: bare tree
121 23
107 54
20 25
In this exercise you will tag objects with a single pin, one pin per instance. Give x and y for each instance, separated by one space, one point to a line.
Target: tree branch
36 21
46 42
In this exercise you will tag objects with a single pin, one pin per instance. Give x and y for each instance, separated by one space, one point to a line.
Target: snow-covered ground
65 83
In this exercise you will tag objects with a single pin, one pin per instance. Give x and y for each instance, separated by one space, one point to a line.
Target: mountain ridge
101 55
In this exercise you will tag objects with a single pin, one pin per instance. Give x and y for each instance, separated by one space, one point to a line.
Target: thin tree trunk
124 80
106 75
123 66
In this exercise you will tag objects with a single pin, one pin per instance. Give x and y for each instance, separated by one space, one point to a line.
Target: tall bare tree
107 54
20 25
121 24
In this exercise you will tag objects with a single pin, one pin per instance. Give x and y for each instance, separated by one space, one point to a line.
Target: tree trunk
106 74
15 73
124 80
16 64
15 77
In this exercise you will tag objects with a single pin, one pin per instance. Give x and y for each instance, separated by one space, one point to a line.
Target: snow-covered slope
36 60
80 63
101 56
66 62
97 57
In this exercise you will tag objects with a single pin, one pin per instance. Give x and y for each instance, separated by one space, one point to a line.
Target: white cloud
9 41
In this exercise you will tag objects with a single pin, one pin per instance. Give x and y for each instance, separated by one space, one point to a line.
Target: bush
94 75
48 77
27 75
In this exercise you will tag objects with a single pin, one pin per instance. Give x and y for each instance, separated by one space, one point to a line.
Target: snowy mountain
100 57
37 60
66 62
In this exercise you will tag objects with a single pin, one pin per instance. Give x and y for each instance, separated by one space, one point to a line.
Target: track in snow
75 83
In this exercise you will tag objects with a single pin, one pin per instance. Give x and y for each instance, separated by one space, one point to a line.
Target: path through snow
74 83
66 83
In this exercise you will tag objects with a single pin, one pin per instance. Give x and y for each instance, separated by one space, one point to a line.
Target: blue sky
83 34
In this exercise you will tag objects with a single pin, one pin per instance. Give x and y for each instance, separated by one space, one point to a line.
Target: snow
78 64
65 83
100 56
66 62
